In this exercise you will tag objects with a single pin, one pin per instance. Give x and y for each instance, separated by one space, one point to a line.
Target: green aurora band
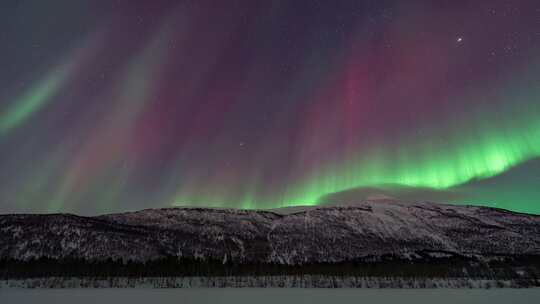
43 92
31 102
480 144
455 153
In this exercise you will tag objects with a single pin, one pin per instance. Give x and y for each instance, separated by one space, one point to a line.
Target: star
459 39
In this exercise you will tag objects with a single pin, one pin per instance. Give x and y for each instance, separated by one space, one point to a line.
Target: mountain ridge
327 234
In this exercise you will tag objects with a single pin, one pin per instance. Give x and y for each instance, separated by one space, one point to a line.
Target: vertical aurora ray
104 156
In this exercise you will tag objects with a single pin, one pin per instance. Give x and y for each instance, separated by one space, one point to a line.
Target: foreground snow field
271 296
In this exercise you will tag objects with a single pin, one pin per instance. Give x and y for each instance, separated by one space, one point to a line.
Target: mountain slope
367 230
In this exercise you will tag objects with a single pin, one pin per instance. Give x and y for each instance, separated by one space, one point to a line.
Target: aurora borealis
121 105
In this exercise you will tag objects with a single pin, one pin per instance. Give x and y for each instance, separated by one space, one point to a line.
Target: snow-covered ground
271 296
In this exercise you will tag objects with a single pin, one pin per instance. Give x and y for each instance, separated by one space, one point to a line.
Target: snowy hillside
366 231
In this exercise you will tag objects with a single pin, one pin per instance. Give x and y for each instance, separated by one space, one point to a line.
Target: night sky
122 105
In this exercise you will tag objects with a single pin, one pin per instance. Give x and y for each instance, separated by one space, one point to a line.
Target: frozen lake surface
270 296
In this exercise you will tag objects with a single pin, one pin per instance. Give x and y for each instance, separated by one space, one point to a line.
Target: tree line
447 267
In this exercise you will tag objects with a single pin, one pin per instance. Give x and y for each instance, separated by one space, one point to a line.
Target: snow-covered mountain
363 231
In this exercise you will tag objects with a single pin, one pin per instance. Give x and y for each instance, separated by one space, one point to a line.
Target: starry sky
109 106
